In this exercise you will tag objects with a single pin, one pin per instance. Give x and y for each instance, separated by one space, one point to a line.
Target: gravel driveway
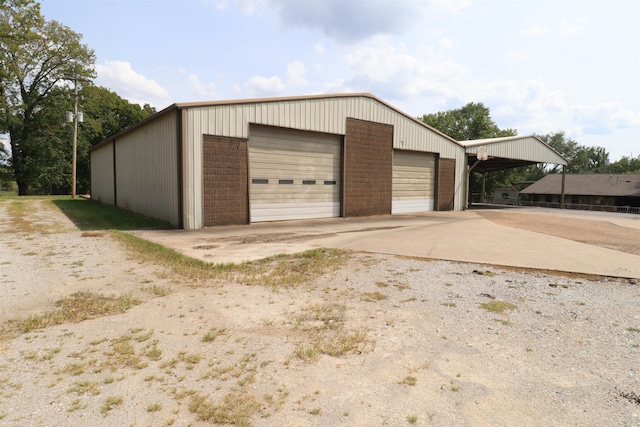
436 343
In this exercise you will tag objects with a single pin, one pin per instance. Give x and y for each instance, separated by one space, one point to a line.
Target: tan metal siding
327 115
147 170
102 189
413 182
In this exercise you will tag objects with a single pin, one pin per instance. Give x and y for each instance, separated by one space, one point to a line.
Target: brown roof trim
186 105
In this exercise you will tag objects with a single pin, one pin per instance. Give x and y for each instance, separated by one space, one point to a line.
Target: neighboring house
586 189
204 164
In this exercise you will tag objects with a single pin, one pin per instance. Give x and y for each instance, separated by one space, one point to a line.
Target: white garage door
293 174
413 182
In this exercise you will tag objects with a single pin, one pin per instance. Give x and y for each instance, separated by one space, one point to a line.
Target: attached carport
495 154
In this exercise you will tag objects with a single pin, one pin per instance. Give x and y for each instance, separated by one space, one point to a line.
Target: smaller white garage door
293 174
413 182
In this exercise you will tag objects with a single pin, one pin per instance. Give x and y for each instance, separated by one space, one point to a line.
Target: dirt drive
370 340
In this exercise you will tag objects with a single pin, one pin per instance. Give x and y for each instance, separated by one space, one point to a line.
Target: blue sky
540 66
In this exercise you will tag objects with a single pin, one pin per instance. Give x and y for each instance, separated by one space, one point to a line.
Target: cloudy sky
540 66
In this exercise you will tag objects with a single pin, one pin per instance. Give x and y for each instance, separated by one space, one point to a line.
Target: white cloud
450 6
318 49
395 71
120 77
295 73
535 31
199 89
250 7
573 27
264 86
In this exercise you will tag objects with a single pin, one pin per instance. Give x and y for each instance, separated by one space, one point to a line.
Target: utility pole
74 157
75 117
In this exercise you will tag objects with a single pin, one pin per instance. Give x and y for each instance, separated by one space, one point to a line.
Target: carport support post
564 168
484 178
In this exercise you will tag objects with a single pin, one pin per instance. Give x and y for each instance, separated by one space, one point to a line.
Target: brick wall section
368 160
446 184
226 198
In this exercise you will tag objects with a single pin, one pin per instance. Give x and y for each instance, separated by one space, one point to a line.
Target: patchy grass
336 345
111 403
237 408
410 380
90 215
22 217
74 308
213 334
498 306
281 271
373 296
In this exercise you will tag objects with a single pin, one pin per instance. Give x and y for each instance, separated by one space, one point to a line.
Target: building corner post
564 169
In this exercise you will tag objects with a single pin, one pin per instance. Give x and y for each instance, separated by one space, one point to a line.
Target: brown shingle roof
588 185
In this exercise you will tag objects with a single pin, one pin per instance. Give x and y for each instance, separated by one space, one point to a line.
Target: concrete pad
457 236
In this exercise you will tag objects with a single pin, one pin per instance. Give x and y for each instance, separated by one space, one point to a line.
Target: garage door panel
413 182
282 154
292 211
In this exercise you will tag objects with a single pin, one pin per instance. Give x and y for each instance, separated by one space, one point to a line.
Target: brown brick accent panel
226 194
368 160
446 184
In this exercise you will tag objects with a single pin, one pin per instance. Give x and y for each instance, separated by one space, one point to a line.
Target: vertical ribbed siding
147 170
102 189
327 115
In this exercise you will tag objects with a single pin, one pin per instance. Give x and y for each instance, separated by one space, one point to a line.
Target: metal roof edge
187 105
151 118
487 141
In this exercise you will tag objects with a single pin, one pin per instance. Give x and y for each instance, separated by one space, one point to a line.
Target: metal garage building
237 162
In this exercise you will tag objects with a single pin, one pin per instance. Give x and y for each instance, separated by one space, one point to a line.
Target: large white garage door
413 182
293 174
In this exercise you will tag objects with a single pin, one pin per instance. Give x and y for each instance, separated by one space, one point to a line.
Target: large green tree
470 122
473 121
36 57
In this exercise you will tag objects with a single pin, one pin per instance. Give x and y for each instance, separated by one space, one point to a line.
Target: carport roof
511 152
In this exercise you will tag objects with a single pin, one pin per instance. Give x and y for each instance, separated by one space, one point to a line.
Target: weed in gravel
111 403
158 291
336 346
154 407
76 308
498 306
213 334
412 419
373 296
76 405
410 380
631 329
236 408
449 304
85 387
503 322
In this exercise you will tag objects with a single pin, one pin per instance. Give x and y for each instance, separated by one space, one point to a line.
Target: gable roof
512 151
625 185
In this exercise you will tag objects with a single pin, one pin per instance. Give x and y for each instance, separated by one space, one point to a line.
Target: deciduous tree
36 57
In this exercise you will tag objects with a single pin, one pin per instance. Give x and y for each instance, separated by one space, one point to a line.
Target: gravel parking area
425 342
